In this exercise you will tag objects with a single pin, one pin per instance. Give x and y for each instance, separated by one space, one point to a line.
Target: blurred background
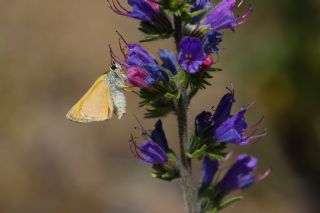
52 51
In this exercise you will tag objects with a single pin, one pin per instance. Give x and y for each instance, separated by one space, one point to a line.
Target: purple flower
211 42
239 176
150 152
159 137
191 55
137 77
233 129
169 61
144 10
209 169
204 124
138 56
222 16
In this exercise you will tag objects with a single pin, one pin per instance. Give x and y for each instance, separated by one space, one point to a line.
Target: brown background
50 53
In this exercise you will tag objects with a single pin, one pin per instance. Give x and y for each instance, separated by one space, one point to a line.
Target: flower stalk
189 192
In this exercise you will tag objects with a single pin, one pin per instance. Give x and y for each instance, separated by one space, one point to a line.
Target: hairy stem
190 194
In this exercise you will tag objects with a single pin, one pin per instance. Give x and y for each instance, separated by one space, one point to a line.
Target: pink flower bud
137 77
154 5
208 61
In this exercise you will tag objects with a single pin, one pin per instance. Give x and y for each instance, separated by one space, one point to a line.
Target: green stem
189 192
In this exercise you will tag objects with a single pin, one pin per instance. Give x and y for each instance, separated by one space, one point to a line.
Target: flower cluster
201 39
169 84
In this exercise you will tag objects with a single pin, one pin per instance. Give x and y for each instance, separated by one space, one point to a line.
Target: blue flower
234 128
231 130
159 137
191 55
156 74
204 124
199 5
169 61
239 176
223 109
143 10
211 41
222 15
223 127
209 169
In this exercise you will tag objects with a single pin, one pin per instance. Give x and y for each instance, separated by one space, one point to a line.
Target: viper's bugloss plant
168 86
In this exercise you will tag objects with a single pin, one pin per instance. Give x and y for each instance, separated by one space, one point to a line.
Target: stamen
122 50
263 176
249 105
255 125
252 134
122 7
116 59
122 37
240 3
243 18
135 148
115 9
260 135
144 131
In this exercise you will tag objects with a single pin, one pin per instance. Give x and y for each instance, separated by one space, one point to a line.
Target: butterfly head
116 75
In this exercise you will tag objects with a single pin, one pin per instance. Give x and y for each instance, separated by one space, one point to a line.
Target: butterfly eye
113 66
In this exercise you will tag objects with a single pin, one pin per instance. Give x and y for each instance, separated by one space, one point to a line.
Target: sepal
215 151
168 171
159 28
159 98
174 7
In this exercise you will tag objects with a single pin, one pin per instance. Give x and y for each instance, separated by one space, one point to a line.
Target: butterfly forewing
95 105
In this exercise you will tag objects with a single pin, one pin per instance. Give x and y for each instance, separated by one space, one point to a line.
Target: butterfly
105 97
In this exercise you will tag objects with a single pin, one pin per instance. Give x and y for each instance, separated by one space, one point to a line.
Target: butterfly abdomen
118 101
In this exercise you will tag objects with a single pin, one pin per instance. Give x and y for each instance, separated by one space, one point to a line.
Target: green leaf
229 202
